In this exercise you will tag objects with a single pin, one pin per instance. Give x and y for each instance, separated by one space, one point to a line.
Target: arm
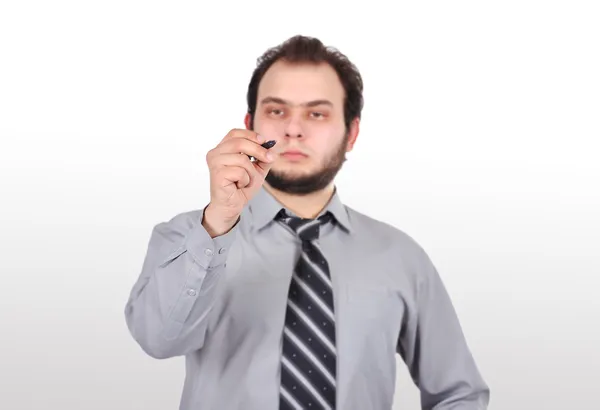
169 305
434 348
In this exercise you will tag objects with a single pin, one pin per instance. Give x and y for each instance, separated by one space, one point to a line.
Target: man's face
301 106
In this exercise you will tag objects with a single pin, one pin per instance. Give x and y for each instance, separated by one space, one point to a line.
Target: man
278 295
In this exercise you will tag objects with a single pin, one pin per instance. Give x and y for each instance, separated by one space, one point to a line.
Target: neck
305 206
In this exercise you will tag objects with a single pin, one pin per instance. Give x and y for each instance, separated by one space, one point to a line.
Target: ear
353 134
247 119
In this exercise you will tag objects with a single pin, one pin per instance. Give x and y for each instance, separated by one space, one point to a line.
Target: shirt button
222 250
208 252
191 292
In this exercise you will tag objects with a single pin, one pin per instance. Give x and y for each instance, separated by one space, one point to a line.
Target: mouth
293 155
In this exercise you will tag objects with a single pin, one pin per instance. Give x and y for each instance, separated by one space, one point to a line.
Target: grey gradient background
479 139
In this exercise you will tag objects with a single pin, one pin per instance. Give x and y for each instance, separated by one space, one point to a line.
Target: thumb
275 150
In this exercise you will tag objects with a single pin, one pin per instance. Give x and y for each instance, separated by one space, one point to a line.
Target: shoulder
380 231
392 245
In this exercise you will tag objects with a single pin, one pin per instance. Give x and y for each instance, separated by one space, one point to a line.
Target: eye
316 114
276 112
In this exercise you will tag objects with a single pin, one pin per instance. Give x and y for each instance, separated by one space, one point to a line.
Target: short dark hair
303 49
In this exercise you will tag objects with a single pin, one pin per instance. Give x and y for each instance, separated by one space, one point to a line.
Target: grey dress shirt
221 302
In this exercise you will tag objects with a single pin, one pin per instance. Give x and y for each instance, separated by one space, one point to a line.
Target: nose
293 128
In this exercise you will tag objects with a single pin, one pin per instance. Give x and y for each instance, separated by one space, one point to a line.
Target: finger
234 175
245 134
247 147
263 167
235 160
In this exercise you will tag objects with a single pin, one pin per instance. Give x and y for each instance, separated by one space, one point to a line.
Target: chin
292 176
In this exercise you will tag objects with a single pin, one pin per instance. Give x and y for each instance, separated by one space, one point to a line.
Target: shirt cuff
209 252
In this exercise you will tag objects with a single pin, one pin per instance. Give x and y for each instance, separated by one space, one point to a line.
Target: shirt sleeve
168 309
434 348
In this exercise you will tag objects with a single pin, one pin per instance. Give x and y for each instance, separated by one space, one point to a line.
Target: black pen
267 145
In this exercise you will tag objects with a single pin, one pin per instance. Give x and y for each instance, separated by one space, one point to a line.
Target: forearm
463 403
467 395
169 306
449 376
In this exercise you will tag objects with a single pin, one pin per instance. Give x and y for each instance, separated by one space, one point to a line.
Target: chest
253 290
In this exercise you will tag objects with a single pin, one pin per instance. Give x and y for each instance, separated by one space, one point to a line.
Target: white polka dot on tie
294 388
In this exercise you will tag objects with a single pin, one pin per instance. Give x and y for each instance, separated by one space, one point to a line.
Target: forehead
301 82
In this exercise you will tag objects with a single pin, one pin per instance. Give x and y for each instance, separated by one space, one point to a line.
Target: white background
479 139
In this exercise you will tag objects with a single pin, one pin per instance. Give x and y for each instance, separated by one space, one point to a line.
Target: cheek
325 146
266 127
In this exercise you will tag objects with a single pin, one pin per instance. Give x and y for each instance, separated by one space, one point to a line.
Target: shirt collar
264 207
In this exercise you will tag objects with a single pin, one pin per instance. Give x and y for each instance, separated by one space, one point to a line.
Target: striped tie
308 364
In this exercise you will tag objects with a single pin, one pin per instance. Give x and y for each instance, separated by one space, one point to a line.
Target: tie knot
307 229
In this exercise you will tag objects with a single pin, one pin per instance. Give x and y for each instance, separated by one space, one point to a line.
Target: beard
313 182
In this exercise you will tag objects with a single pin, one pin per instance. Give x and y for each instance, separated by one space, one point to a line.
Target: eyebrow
313 103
